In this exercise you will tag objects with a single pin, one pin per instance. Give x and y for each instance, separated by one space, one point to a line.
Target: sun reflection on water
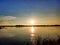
33 36
32 30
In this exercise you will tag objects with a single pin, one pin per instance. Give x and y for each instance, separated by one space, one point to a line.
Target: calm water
29 33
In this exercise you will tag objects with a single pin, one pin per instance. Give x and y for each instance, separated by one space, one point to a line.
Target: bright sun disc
32 22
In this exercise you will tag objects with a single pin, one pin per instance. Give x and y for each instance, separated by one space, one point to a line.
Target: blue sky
12 7
29 8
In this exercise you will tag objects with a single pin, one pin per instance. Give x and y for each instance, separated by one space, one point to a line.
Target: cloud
7 18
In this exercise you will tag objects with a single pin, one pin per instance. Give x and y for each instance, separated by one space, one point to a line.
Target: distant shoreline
29 25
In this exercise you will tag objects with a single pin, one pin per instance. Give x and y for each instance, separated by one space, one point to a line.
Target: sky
23 11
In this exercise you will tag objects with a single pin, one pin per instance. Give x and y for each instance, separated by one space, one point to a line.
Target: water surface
25 33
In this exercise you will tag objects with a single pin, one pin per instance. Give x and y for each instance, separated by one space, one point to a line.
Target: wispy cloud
7 18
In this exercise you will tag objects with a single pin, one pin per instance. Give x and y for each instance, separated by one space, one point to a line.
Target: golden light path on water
33 33
32 30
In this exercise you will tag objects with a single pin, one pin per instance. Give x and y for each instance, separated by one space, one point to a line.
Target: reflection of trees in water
33 39
39 41
45 41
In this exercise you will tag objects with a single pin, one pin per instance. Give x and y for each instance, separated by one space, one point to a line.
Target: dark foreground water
30 36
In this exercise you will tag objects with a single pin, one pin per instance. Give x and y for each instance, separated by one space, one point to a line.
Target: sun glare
32 22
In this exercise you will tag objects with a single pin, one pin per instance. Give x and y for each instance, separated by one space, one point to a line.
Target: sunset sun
32 22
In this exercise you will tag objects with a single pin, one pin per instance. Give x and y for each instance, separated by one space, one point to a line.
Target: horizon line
28 25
